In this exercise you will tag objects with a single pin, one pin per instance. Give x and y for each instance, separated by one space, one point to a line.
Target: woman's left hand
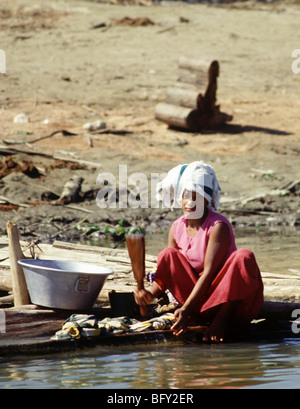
181 316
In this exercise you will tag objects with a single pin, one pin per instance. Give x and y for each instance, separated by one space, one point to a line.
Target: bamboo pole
21 296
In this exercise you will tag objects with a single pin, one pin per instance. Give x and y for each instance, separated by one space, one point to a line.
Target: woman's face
193 204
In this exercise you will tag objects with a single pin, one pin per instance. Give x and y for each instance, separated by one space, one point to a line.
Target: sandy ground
62 73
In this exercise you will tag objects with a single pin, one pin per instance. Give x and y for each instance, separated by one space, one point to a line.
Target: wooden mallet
136 250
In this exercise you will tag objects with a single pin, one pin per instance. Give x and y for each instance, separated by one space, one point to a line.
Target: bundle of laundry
87 326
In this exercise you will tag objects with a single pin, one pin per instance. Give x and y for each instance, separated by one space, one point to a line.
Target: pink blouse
194 248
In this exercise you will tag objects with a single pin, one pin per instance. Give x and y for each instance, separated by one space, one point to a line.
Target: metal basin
64 284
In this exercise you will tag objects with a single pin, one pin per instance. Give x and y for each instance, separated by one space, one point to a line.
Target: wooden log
278 310
191 77
182 97
282 282
175 116
21 296
195 71
282 293
190 119
7 300
186 86
204 114
200 65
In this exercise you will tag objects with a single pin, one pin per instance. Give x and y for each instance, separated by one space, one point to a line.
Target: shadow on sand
235 129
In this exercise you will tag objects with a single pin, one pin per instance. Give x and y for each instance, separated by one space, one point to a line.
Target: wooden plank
29 329
101 250
282 293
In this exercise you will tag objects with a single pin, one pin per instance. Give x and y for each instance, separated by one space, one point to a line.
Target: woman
201 267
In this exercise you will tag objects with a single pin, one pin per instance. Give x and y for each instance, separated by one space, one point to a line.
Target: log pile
187 108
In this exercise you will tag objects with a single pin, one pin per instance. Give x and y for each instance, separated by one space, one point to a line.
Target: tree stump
187 108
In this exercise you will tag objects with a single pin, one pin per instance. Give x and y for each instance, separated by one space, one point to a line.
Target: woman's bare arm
171 241
216 252
144 297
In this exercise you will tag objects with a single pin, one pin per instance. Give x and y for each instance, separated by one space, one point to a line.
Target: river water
261 363
240 365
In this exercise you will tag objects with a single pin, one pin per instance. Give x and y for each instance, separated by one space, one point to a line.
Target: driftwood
194 64
185 107
190 119
41 138
13 151
12 202
175 116
181 97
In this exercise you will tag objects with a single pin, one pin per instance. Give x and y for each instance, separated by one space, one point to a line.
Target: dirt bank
69 63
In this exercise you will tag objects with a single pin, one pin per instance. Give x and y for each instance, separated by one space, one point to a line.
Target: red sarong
238 280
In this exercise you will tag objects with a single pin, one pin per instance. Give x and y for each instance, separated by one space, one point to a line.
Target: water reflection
162 366
276 250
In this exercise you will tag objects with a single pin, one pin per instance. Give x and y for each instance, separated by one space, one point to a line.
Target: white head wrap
196 176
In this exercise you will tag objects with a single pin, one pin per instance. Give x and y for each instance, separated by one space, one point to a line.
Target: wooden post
21 296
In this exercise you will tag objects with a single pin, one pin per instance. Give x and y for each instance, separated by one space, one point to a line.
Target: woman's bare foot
218 326
214 334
